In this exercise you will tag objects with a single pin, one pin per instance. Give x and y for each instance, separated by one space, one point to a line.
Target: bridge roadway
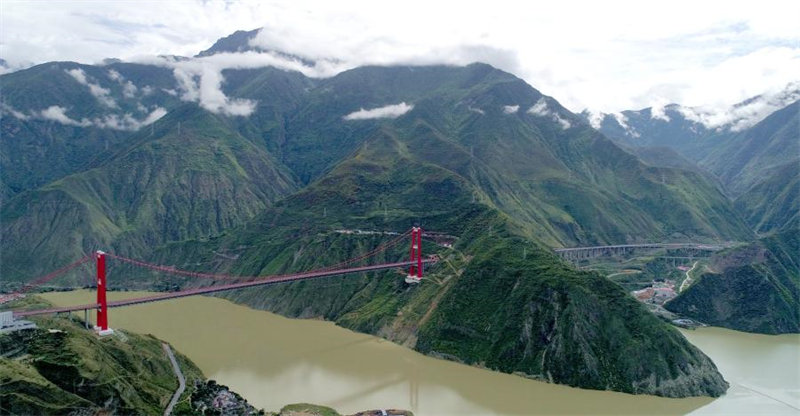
231 286
709 247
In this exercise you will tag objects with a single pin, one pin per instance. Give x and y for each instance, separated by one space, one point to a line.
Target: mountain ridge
471 151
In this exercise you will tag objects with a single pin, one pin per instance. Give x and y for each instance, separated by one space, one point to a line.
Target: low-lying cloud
129 89
200 79
389 111
58 114
745 114
542 110
510 109
103 95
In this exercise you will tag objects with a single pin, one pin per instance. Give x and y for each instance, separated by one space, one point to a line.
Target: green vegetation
498 299
755 288
774 203
36 151
264 194
537 317
746 158
749 288
62 368
193 177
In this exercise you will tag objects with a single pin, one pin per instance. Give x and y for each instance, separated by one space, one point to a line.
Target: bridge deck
231 286
711 247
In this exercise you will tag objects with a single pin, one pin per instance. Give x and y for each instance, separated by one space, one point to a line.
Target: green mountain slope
756 289
190 176
746 158
774 203
498 300
569 185
35 150
61 368
479 155
640 128
194 174
740 159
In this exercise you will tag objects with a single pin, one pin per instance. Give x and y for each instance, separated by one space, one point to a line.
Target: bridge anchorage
102 305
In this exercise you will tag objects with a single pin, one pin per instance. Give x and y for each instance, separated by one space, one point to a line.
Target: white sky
602 55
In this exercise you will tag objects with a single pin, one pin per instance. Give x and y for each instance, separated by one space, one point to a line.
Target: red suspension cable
47 277
221 276
371 253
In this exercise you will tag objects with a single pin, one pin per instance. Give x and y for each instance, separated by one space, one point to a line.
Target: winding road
688 280
181 380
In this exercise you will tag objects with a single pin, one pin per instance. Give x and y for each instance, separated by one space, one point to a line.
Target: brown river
273 361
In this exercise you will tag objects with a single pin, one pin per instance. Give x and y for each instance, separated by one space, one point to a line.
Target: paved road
181 380
688 280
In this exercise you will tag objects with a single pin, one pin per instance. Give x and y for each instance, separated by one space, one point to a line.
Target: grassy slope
756 289
193 177
774 203
453 170
745 159
483 305
34 152
569 186
74 370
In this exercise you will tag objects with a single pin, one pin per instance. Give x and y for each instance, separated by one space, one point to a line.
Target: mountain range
251 169
755 159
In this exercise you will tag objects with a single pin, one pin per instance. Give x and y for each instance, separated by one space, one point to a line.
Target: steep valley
471 152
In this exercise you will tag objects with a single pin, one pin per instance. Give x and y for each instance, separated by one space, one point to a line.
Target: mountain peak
242 41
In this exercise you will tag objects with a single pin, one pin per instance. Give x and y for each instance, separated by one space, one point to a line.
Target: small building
9 324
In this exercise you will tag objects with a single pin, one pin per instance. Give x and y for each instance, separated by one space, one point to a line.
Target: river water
273 361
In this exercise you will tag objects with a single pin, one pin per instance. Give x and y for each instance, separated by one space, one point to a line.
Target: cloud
116 76
595 118
203 84
101 94
658 110
154 116
128 88
542 110
476 110
200 79
623 122
7 108
745 114
389 111
605 58
510 109
127 121
58 114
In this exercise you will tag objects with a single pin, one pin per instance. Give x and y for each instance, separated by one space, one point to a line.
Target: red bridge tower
415 271
102 310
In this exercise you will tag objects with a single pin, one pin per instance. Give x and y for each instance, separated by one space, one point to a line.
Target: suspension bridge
416 264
